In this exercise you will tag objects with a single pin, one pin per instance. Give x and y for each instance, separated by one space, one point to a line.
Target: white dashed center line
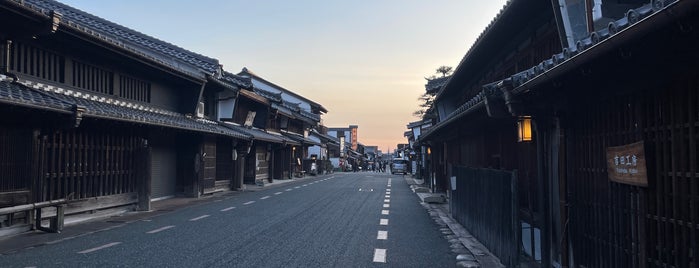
160 229
297 187
380 255
289 189
384 212
199 218
277 193
98 248
264 197
382 235
387 200
383 222
227 209
388 196
248 203
386 205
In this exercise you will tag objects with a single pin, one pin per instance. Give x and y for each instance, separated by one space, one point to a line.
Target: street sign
627 164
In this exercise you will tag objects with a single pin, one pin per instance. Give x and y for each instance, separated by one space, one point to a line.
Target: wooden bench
55 222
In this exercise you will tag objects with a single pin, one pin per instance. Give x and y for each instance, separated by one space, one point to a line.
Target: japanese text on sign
627 164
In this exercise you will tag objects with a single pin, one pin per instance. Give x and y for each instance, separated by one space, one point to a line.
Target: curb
471 253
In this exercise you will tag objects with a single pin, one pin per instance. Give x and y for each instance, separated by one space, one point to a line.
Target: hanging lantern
524 129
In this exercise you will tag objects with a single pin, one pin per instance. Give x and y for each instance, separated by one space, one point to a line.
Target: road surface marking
371 190
264 197
277 193
227 209
248 203
382 235
386 205
360 189
387 200
160 229
100 247
384 212
297 187
304 185
388 196
383 222
199 218
289 189
379 255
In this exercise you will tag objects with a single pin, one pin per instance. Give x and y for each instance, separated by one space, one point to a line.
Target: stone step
432 198
418 189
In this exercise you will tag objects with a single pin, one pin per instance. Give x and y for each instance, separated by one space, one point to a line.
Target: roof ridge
122 33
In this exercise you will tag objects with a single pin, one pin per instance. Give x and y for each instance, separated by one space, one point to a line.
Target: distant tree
444 70
426 110
426 101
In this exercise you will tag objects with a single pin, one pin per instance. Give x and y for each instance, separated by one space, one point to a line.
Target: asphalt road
341 220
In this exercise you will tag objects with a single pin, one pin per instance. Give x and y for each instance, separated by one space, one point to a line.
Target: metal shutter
163 172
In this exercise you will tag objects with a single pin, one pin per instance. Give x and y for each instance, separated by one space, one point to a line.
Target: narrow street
338 220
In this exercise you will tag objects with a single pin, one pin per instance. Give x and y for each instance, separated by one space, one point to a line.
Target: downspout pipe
514 104
201 93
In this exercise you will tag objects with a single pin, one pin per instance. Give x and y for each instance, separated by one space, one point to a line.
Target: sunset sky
365 61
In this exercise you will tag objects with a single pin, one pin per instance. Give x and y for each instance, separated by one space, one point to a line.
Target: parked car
399 166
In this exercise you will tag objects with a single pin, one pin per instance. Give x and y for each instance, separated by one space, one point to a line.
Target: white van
399 166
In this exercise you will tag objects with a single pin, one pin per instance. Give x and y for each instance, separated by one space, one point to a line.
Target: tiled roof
17 94
466 108
541 70
326 137
418 123
38 95
240 81
633 17
147 46
275 97
247 73
300 139
309 115
283 110
262 135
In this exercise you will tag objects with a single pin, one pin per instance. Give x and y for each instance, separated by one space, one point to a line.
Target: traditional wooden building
572 128
100 116
294 116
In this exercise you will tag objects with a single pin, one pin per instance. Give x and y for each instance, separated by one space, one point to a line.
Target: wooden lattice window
92 78
134 89
33 61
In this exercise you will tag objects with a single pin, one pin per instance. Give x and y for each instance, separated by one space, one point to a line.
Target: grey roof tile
39 95
124 37
240 81
17 94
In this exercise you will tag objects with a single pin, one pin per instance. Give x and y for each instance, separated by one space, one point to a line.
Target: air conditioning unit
200 109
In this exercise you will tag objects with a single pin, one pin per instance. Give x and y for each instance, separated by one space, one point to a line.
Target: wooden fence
78 165
620 225
485 203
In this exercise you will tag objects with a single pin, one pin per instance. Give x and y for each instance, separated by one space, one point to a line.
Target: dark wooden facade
623 87
101 124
